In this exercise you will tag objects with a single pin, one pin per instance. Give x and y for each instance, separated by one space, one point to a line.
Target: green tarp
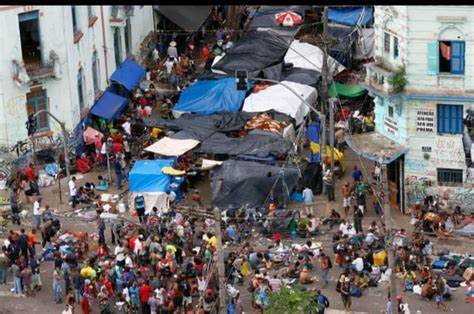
345 91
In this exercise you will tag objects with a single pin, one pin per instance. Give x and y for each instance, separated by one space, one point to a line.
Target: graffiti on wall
416 189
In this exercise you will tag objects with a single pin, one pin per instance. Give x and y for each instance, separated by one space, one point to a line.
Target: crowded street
238 159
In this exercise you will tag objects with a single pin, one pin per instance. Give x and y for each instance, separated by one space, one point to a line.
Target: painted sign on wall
449 152
425 120
391 126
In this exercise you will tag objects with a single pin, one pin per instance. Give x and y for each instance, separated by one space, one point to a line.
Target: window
95 72
386 42
395 47
390 111
450 119
117 47
451 177
74 19
451 57
80 89
37 100
128 37
30 38
90 12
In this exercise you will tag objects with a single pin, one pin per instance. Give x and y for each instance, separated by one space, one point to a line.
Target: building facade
59 58
436 47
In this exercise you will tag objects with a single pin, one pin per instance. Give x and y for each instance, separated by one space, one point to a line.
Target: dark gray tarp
256 51
247 182
188 17
202 127
342 49
302 76
257 143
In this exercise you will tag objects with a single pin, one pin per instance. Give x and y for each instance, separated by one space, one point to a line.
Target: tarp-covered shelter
247 182
128 74
210 96
343 50
187 17
280 98
172 147
302 76
345 91
146 176
361 15
307 56
256 143
257 51
109 106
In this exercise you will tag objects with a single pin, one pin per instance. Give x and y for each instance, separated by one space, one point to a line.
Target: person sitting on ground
103 185
305 276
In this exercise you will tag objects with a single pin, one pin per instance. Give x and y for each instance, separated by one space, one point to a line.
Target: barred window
449 177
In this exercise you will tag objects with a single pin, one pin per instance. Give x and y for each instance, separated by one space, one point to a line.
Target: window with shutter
457 57
386 42
450 119
432 55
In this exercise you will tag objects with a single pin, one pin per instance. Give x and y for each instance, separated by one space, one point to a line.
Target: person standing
37 212
347 198
172 50
3 266
101 231
308 200
140 207
358 215
15 206
145 292
17 279
328 180
118 171
326 265
356 174
73 191
346 294
57 285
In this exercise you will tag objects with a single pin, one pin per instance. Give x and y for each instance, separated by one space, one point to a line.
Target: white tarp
208 164
278 97
152 199
365 44
307 56
168 146
217 59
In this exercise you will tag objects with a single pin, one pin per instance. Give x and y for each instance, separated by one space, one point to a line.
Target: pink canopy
90 134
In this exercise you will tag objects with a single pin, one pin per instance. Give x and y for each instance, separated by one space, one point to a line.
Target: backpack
329 263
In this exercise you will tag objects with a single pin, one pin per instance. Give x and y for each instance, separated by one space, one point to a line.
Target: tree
290 301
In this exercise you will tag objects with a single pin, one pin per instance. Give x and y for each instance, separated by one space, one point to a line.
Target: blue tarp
146 176
211 96
351 16
128 74
312 133
109 106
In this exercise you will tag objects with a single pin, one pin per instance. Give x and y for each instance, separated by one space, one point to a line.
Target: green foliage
291 301
398 80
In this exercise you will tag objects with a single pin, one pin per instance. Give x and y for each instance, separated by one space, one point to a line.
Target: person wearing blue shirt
356 174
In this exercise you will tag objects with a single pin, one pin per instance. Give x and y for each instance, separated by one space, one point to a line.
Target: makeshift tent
346 91
188 17
209 97
307 56
365 44
256 51
343 49
257 143
280 98
362 16
128 74
247 182
146 176
109 106
302 76
172 147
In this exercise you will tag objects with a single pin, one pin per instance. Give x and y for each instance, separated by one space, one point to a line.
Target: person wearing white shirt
127 126
73 191
358 264
37 212
120 254
169 65
138 245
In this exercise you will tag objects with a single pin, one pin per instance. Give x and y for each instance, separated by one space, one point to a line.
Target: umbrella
288 18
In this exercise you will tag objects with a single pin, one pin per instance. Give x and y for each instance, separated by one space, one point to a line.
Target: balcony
35 69
378 76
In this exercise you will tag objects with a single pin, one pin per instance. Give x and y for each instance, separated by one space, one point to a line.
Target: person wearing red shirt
117 148
30 173
144 292
204 53
131 243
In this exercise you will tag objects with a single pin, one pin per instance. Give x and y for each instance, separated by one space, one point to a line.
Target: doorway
395 171
37 100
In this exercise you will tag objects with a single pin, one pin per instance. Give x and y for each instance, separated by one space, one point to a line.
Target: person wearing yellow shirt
213 241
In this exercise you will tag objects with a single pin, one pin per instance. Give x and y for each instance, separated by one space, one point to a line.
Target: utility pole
324 85
331 131
388 236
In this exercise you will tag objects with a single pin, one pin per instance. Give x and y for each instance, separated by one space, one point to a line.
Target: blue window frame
450 119
457 57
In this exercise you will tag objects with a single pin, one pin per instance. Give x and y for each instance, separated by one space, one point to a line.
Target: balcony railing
378 76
